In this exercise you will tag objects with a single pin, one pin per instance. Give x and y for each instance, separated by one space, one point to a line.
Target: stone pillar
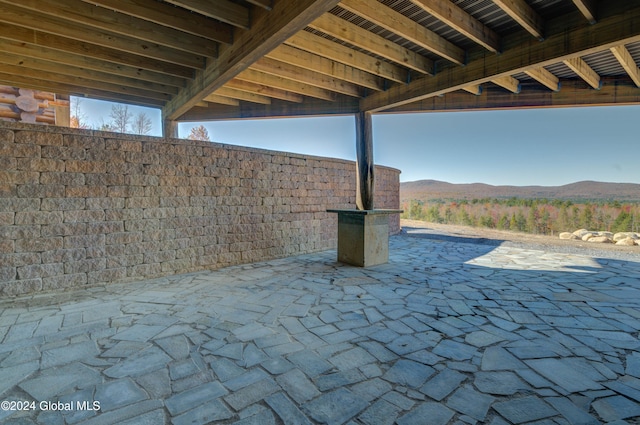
364 161
170 129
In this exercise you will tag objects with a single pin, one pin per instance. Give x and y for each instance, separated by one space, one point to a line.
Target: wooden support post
170 129
364 161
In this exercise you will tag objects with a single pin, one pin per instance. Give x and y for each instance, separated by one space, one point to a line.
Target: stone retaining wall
82 207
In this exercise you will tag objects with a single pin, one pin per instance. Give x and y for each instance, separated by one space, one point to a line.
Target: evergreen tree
532 220
521 221
503 223
513 223
433 214
586 218
622 222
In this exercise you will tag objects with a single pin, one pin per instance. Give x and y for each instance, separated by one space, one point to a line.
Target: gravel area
476 235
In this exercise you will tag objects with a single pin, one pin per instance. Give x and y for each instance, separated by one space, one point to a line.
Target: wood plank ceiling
227 59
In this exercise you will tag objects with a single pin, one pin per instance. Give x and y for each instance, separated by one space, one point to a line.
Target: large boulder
580 232
626 241
600 239
588 236
568 236
623 235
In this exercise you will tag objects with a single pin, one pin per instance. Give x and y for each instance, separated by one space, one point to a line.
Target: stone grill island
363 236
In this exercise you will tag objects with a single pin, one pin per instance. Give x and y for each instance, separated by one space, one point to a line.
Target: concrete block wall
81 207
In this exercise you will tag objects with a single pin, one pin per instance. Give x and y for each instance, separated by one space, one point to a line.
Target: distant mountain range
584 190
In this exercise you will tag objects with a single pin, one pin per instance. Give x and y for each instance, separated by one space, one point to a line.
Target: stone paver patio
447 332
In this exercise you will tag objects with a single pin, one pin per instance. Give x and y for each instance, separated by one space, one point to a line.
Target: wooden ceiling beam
328 49
265 4
56 43
265 91
222 100
508 82
560 44
281 69
222 10
286 84
544 77
626 60
277 109
73 90
359 37
524 15
96 17
48 67
269 29
241 95
587 8
615 91
475 89
171 16
322 65
83 62
584 71
461 21
30 19
71 81
407 28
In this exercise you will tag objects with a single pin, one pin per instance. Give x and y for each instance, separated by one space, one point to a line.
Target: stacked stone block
80 207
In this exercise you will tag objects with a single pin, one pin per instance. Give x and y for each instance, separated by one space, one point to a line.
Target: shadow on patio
448 332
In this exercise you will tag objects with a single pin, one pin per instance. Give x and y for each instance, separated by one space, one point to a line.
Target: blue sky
510 147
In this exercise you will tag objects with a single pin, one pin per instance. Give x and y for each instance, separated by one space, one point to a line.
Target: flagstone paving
448 332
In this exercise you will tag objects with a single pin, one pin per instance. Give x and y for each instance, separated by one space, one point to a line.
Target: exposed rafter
286 84
222 10
277 68
26 18
624 57
76 87
524 15
38 66
399 24
269 29
544 77
98 18
289 57
584 71
587 8
342 54
327 67
170 16
559 45
615 91
353 34
508 82
265 4
475 89
264 91
56 43
461 21
222 100
87 63
241 95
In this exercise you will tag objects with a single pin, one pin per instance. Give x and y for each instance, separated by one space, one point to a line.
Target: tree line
122 120
536 216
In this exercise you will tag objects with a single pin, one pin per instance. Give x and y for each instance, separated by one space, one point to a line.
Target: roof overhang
200 60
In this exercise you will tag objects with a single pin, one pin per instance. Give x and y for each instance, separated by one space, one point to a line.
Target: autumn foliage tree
538 216
199 133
